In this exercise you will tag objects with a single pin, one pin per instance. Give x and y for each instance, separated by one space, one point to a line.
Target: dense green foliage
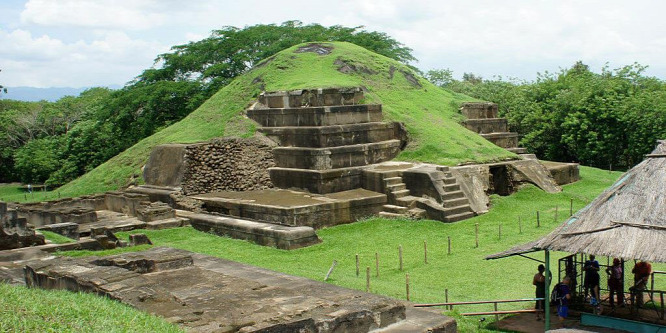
86 131
602 119
429 113
35 310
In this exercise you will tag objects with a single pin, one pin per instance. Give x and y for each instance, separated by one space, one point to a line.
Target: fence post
377 264
357 266
538 220
367 279
400 255
407 285
520 225
500 231
425 252
496 316
449 244
556 209
446 299
476 232
571 207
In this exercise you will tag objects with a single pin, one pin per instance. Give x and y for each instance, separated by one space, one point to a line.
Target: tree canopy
607 119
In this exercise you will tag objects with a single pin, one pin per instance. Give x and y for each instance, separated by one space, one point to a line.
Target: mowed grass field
464 272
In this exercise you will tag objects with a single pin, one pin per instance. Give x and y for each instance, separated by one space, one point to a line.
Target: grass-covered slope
429 113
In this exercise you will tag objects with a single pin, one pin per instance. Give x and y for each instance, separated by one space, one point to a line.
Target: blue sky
77 43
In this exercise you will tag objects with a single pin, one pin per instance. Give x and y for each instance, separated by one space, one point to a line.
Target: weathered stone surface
487 125
165 165
15 232
67 229
317 181
212 294
335 136
479 110
40 214
139 239
317 116
504 140
336 157
296 208
155 211
310 97
563 173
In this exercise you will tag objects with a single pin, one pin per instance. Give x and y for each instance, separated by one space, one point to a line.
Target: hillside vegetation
429 112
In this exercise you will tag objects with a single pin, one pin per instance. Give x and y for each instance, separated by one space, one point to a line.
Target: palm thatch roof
627 221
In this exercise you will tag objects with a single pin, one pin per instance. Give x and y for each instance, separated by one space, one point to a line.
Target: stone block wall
228 164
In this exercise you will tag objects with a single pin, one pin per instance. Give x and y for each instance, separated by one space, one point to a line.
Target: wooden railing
496 313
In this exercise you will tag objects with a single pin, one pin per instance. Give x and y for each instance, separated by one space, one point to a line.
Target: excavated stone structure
15 231
326 138
482 118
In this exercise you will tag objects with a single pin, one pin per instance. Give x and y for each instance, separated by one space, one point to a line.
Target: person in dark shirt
539 281
563 297
591 282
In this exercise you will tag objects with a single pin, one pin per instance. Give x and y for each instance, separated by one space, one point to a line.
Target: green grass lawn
464 272
36 310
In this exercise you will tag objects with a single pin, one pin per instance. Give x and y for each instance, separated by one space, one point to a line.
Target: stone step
504 140
528 156
394 209
336 157
453 195
448 211
317 116
333 136
517 150
451 187
443 168
407 201
391 215
449 180
399 194
417 213
311 97
479 110
317 181
396 187
459 217
392 181
168 223
455 202
488 125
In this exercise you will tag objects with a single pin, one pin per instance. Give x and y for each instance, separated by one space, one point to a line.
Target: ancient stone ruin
15 231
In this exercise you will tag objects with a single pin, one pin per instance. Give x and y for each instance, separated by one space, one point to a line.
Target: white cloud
43 61
121 14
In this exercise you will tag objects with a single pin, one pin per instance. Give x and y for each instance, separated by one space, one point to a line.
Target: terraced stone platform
206 294
296 208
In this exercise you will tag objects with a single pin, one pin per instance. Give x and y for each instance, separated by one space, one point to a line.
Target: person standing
563 297
591 282
641 271
615 282
539 281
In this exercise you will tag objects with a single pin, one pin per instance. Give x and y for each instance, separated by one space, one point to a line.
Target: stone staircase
482 118
401 204
326 138
455 203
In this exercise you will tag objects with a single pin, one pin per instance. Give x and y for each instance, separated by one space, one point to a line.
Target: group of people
561 295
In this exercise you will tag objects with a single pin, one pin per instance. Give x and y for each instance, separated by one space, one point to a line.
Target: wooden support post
367 279
446 299
357 266
425 252
407 285
538 220
546 301
400 256
556 208
520 225
499 231
449 244
571 207
376 264
496 316
330 270
476 234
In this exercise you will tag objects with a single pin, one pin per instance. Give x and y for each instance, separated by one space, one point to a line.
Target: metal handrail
495 302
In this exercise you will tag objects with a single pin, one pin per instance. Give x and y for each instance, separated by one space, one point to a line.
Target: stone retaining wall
228 164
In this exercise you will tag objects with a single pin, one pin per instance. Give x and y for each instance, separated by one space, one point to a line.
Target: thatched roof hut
627 221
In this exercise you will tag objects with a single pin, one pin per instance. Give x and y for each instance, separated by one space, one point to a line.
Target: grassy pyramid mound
429 112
